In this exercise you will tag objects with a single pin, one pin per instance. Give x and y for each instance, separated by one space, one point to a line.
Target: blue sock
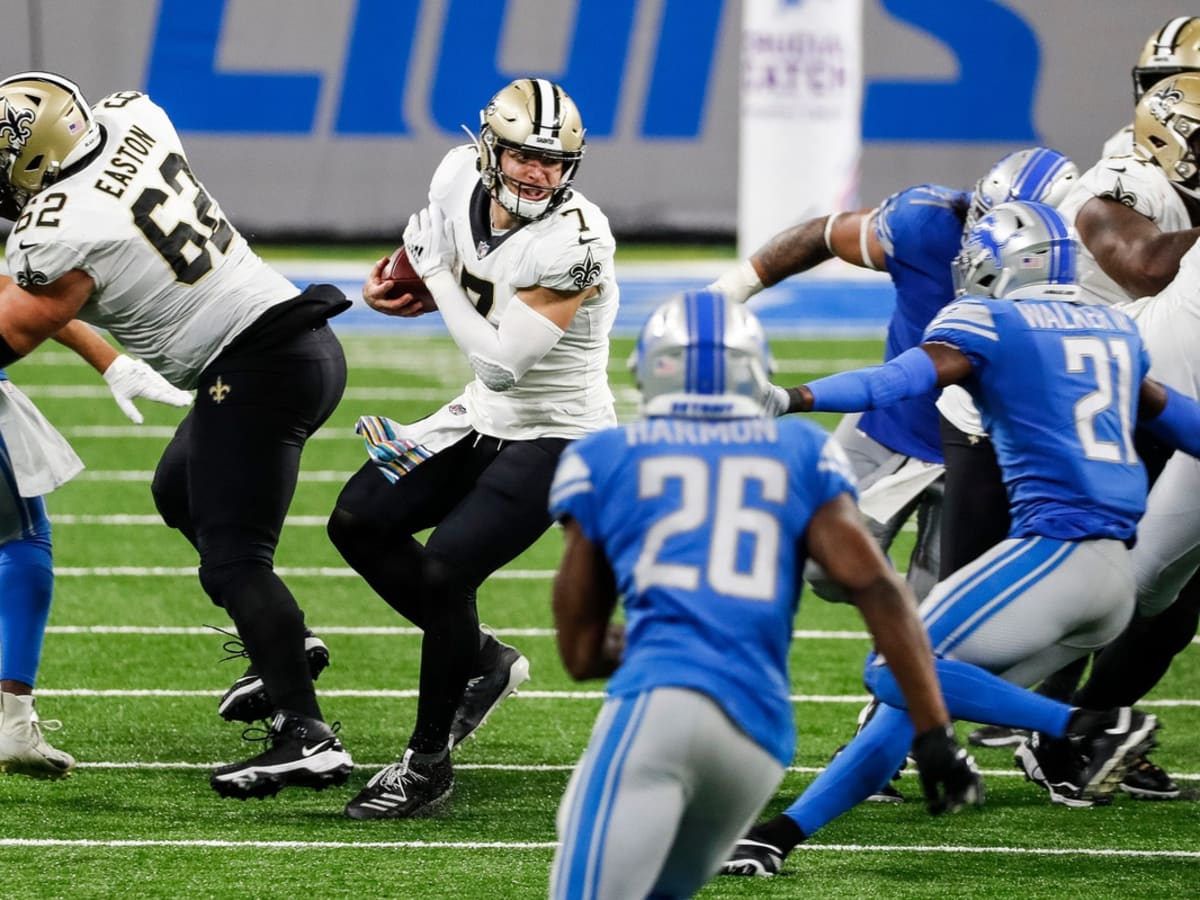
866 765
977 695
26 586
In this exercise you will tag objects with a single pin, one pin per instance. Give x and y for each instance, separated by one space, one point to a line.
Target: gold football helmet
1172 50
45 124
1166 129
536 117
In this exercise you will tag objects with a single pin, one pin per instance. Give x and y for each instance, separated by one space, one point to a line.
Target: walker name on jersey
1070 317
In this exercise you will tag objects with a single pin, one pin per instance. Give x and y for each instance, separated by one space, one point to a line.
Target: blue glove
393 455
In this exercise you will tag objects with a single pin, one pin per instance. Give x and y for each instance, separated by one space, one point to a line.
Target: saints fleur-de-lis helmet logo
587 272
1163 100
15 130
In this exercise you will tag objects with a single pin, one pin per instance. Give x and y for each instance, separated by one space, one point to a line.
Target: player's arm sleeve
498 354
1178 425
572 492
910 374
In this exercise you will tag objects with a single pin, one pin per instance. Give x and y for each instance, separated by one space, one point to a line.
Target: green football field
134 674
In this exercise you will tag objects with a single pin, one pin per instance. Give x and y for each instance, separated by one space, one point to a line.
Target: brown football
400 270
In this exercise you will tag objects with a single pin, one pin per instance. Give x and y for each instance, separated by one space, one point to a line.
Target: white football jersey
1120 144
566 393
1169 323
1139 184
175 282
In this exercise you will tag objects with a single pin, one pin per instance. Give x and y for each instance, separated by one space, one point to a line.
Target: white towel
890 494
42 459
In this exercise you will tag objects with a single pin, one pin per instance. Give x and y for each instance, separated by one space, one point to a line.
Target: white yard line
1115 852
373 630
411 693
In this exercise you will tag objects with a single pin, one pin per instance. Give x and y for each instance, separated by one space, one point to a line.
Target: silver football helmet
1016 245
700 355
1039 174
45 125
536 117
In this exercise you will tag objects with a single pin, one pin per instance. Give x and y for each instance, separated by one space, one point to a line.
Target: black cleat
485 692
411 788
1112 742
304 752
753 858
1146 781
247 700
1055 766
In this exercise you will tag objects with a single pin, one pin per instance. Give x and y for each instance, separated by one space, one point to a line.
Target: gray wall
654 164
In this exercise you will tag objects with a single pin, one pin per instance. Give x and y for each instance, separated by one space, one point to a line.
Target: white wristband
833 217
864 245
740 283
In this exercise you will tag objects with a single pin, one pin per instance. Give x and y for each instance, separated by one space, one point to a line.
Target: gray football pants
662 793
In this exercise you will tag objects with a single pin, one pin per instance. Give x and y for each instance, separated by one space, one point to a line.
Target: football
400 270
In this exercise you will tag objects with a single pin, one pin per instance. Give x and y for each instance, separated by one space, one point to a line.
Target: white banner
801 110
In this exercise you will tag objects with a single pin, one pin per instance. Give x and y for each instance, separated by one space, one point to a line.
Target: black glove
948 773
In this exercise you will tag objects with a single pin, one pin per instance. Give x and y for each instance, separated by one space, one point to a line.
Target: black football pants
486 501
226 481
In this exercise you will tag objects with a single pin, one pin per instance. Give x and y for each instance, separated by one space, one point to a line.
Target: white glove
739 283
776 401
429 247
128 378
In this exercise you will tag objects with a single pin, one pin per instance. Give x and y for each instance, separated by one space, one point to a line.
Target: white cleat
24 750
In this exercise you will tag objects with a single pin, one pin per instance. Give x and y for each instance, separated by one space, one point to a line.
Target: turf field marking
411 693
375 630
283 571
552 845
521 767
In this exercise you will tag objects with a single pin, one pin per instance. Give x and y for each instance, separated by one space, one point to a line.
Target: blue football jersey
703 523
1057 386
920 230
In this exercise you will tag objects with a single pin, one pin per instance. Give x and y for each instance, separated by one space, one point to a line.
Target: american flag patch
1033 262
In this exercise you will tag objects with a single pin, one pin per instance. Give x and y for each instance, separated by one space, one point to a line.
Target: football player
520 265
1136 214
1167 555
114 228
1059 385
913 236
1171 50
35 460
700 515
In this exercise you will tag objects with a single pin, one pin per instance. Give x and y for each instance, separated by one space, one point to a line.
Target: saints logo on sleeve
587 272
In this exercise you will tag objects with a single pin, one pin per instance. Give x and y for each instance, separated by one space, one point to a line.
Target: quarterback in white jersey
112 227
570 250
520 266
